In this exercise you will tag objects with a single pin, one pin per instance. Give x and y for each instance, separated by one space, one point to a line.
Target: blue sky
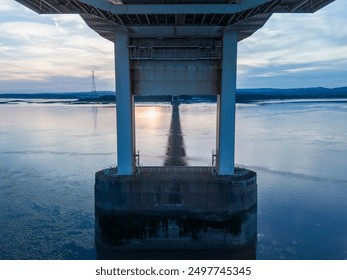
56 53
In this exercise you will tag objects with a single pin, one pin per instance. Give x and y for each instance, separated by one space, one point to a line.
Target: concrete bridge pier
175 211
125 106
225 143
226 106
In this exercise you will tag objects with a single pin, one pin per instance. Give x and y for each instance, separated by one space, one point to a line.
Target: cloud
52 50
290 50
6 6
48 48
290 44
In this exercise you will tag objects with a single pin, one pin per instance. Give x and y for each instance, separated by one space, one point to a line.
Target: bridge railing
175 169
239 171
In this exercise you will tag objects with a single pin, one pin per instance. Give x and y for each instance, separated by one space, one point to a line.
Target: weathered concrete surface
185 210
173 188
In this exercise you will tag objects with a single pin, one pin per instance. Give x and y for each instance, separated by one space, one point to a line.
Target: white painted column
125 106
226 106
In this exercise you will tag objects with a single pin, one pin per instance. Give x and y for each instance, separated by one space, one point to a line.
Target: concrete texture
182 210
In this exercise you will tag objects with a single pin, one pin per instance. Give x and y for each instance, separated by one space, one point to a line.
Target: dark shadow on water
175 151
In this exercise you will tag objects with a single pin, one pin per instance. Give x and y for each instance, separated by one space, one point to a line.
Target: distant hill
249 95
62 95
242 95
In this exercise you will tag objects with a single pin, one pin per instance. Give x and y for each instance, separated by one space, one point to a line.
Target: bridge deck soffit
175 18
147 7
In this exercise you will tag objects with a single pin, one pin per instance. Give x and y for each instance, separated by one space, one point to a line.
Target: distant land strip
242 95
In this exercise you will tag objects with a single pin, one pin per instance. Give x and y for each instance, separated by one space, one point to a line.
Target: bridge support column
226 106
125 107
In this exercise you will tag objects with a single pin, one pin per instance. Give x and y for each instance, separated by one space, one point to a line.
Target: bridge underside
178 47
155 17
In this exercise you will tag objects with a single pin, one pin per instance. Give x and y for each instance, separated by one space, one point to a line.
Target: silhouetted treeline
242 95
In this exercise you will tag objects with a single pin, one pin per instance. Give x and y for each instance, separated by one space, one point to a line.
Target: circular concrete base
176 211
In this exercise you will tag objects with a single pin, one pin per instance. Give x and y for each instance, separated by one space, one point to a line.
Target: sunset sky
56 53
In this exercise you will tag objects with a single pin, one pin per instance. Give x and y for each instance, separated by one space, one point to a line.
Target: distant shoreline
242 96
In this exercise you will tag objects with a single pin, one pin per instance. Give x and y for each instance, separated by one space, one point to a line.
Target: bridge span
177 47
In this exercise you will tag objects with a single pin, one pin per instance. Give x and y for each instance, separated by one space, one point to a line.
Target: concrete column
226 106
125 106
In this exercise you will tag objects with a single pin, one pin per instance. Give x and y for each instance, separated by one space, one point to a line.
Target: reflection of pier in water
176 236
186 214
95 118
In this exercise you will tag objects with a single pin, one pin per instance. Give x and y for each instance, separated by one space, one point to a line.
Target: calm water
50 152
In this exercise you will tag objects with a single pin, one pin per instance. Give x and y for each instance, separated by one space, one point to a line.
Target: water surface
50 152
